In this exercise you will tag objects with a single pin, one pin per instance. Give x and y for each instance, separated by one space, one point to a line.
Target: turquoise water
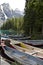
7 32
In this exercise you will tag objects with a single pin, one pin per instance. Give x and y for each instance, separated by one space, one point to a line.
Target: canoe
21 57
23 45
31 52
37 52
33 42
4 37
20 37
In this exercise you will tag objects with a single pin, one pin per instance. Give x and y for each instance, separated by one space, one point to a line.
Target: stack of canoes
24 54
21 57
37 52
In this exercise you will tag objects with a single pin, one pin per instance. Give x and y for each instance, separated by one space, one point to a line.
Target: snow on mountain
3 11
2 17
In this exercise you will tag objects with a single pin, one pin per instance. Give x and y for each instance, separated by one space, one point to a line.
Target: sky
20 4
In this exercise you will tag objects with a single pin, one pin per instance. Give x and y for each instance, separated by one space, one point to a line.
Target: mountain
17 13
7 12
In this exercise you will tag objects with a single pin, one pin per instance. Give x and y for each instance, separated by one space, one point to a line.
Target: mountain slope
7 12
